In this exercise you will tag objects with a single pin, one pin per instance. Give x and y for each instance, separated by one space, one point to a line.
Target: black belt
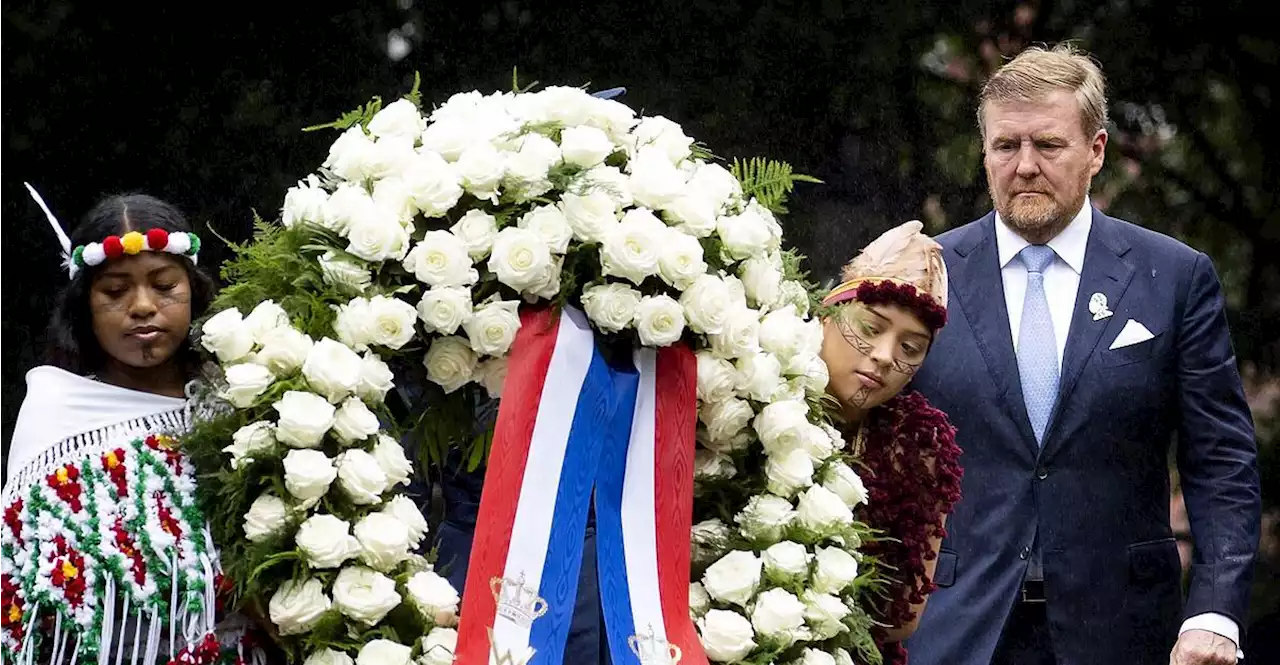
1032 591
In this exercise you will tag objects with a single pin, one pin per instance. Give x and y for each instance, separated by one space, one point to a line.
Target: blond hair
1038 71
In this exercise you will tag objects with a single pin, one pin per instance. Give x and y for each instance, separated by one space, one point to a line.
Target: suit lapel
975 279
1104 272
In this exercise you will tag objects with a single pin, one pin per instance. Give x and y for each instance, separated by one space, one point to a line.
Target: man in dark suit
1079 348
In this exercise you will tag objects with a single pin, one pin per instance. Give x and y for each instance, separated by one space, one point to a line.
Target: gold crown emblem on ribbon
517 602
506 657
653 650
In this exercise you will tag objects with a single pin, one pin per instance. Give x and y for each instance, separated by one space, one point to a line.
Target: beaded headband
181 243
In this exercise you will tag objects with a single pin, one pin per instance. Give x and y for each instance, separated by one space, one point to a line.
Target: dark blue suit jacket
1098 489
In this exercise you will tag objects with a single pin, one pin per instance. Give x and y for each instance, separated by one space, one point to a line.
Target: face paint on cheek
905 368
859 398
860 345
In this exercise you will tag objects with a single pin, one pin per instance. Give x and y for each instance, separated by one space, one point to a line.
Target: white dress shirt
1061 284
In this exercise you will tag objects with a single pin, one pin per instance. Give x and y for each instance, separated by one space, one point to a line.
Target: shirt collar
1069 244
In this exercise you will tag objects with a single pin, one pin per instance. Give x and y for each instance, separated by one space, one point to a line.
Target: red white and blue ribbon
644 514
569 423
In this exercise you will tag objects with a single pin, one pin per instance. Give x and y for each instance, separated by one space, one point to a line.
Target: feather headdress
904 267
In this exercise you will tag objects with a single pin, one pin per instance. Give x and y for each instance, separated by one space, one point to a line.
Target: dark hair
72 344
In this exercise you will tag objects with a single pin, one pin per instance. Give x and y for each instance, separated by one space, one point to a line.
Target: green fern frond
360 115
770 181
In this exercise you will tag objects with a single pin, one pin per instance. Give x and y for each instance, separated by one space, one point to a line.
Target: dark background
203 106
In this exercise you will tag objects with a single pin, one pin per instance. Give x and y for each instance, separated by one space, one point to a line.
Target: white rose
343 271
326 541
820 509
307 474
439 646
448 136
450 362
708 304
824 613
360 476
846 484
794 293
384 541
834 570
433 184
393 197
434 597
482 168
304 203
392 321
786 335
655 182
778 614
376 379
492 328
284 349
592 216
492 374
441 259
328 657
763 281
585 146
226 335
349 156
781 425
814 378
353 324
264 318
759 376
693 214
354 422
631 248
549 223
842 657
745 235
250 439
399 118
716 183
699 601
725 418
391 459
265 518
364 595
547 286
612 181
709 465
476 230
739 336
296 607
785 561
789 472
717 378
812 656
520 258
377 235
390 157
304 419
332 369
659 321
612 307
245 381
384 652
765 518
710 539
737 443
614 117
349 202
680 259
666 136
443 309
406 512
527 169
727 636
734 578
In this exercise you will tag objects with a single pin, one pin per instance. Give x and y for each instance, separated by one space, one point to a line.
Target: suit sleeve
1217 454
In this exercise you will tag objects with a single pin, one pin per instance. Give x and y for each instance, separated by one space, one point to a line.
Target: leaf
769 181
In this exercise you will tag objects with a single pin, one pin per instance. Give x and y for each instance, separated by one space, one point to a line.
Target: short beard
1041 223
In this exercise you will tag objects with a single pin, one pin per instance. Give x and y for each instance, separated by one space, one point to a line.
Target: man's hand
1201 647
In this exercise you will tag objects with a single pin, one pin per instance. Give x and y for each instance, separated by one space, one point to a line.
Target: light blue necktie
1037 347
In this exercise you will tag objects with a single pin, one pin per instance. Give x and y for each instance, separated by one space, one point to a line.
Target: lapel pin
1098 307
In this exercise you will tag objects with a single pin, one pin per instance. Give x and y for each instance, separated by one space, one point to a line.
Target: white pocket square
1133 333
